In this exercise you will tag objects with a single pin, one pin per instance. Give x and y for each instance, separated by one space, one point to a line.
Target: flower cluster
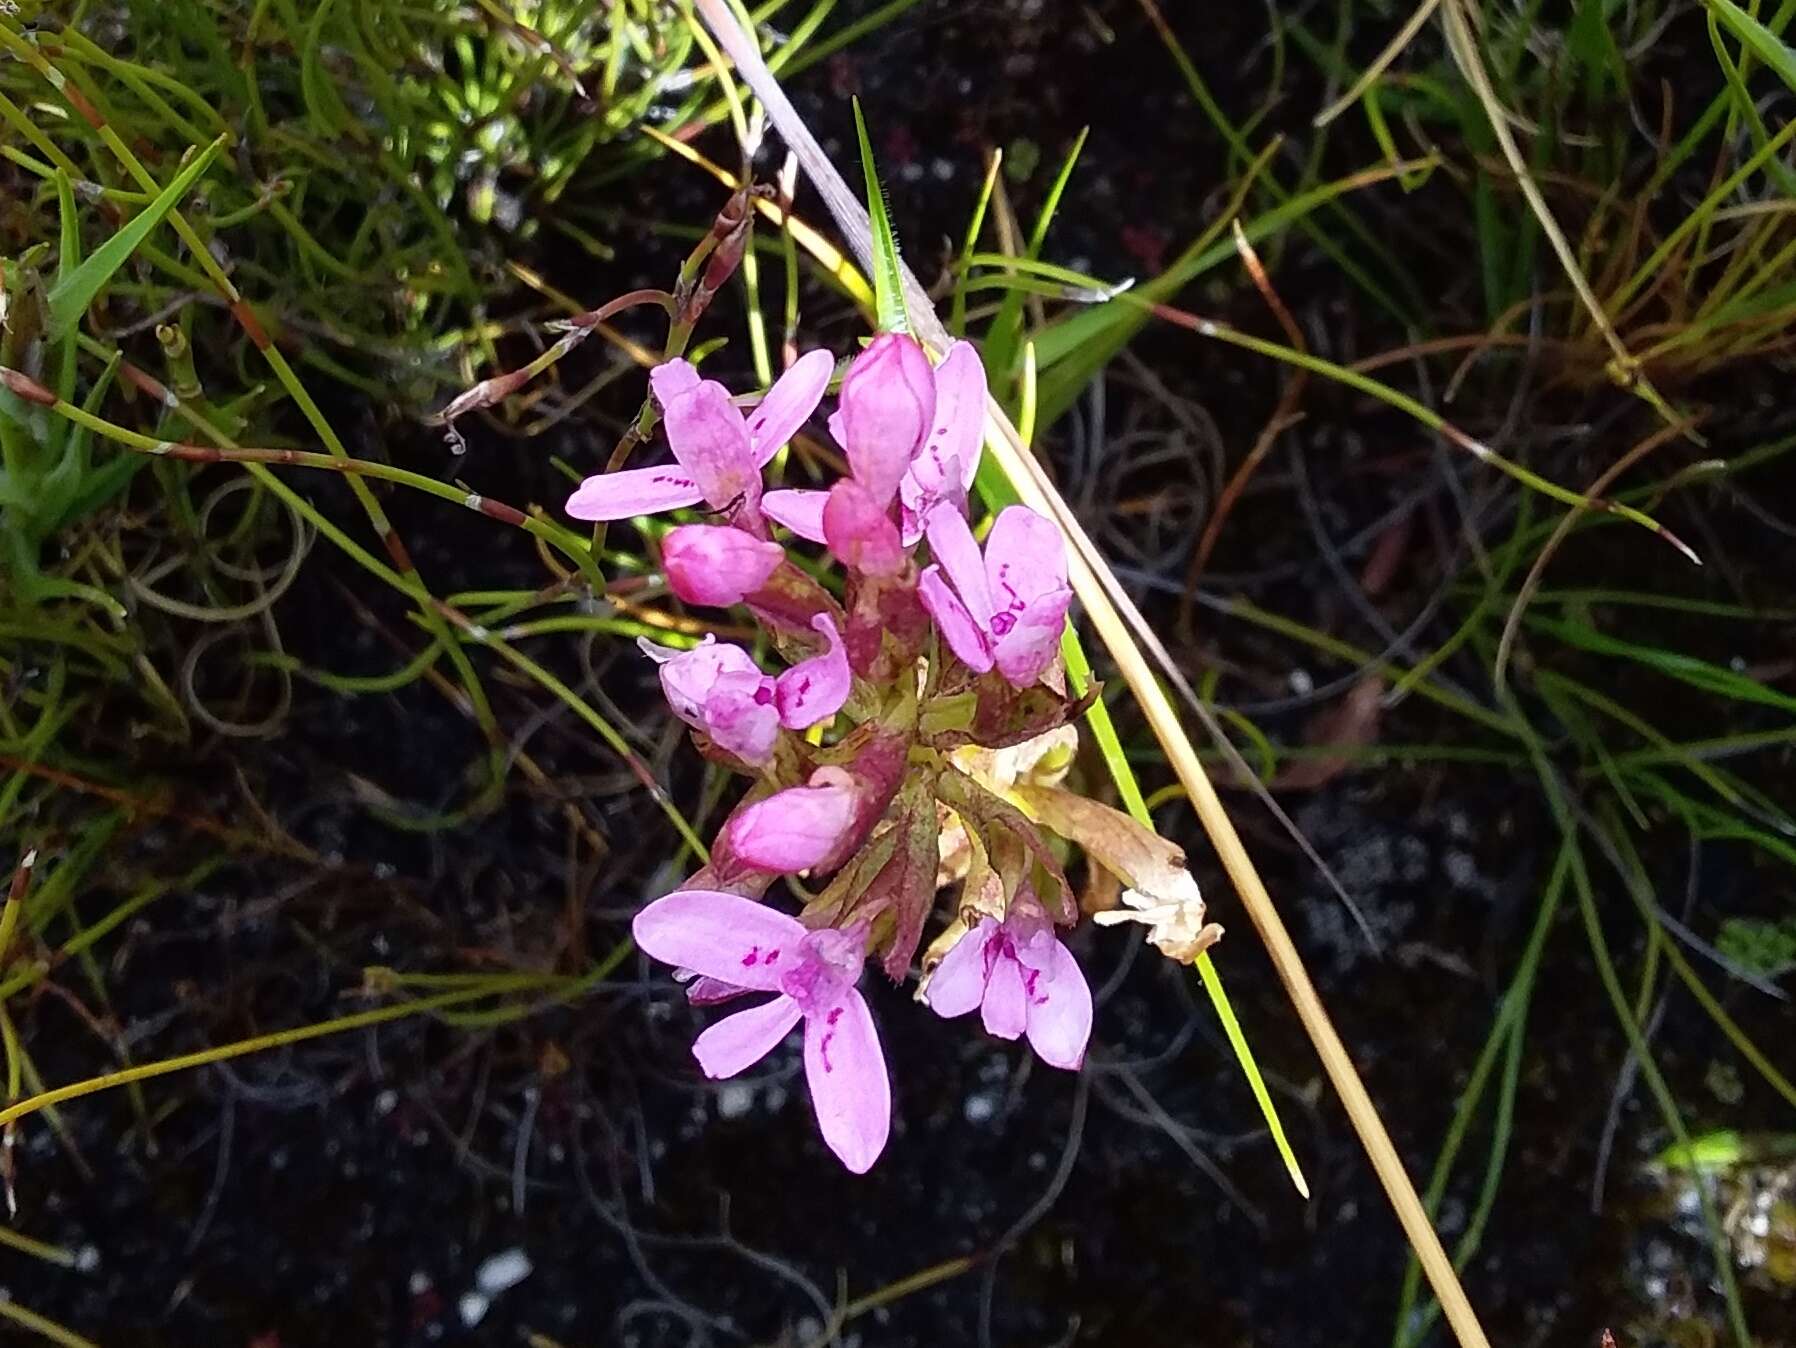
873 754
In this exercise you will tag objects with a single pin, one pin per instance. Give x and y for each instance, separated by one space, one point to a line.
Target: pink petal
846 1071
709 439
1025 557
741 1040
857 530
740 715
634 491
717 565
956 625
958 983
792 830
1024 652
814 690
789 403
701 991
718 935
1025 562
929 483
671 378
1005 1009
957 552
959 429
887 401
1059 1010
799 511
687 677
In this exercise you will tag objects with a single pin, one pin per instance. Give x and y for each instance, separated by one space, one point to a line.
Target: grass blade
1765 44
888 283
73 292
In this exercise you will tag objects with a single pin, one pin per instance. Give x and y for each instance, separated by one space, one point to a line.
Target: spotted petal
718 935
814 690
633 491
1060 1010
846 1071
708 437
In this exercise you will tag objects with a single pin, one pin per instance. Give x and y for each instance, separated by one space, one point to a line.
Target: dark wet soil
349 1191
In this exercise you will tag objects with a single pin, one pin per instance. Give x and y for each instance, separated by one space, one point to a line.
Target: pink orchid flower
718 688
1023 980
798 828
734 940
1007 607
715 565
907 428
719 454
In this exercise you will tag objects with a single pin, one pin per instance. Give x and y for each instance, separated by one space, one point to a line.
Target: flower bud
859 532
885 409
795 829
716 565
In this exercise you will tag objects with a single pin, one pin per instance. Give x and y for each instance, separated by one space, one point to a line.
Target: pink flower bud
717 565
795 829
886 407
859 532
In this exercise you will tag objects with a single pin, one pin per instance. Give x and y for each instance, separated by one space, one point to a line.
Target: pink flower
944 467
795 829
737 941
716 565
921 439
1023 980
718 688
860 532
886 406
1006 608
719 455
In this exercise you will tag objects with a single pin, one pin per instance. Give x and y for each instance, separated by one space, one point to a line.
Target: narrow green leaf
67 259
1103 730
75 290
1765 44
888 287
1004 339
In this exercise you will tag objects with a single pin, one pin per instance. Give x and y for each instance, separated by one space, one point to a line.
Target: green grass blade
1103 730
1765 44
73 292
888 285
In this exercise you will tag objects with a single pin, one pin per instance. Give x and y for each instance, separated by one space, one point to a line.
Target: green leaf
888 286
67 260
1004 339
1765 44
1103 729
75 290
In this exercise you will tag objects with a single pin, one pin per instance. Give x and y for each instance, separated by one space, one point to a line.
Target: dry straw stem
1124 633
